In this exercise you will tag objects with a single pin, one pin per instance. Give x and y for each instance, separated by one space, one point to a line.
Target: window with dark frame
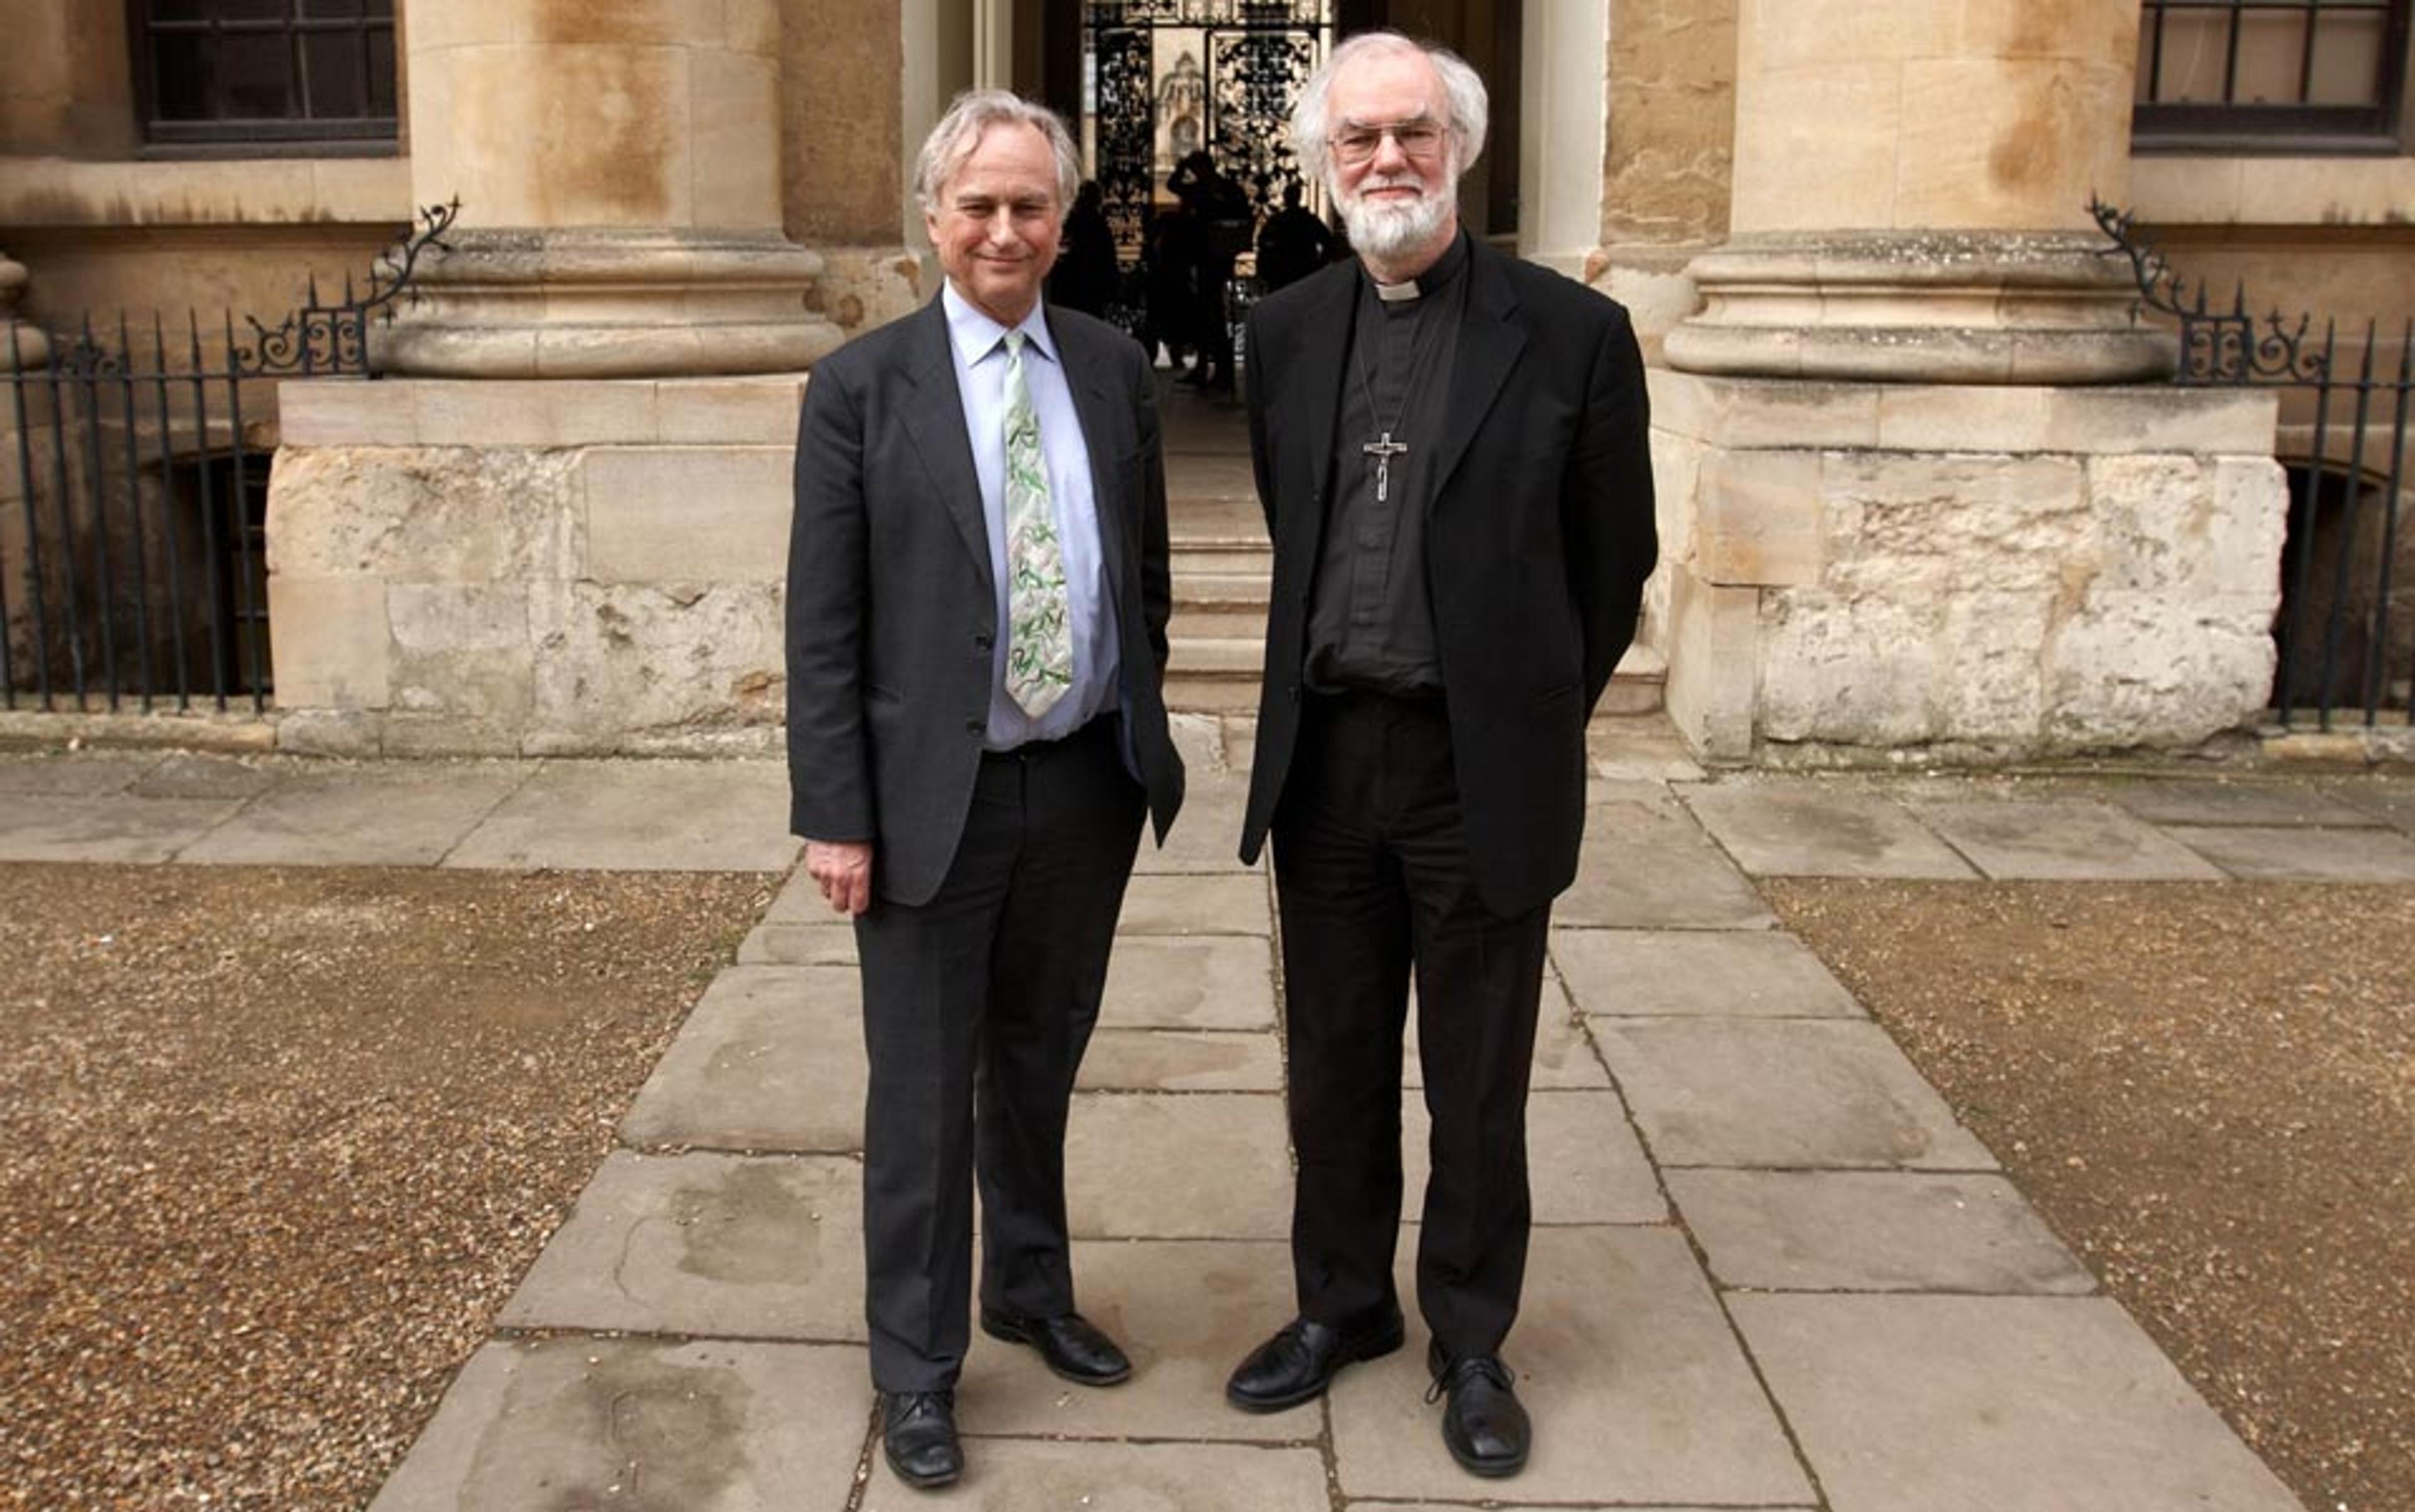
267 71
2271 75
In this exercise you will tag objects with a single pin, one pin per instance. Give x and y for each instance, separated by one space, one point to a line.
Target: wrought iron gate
2345 633
1258 52
132 546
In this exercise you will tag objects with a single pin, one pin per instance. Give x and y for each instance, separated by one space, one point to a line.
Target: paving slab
2206 801
771 1058
1638 1389
1782 1092
74 773
2014 1404
1583 1162
1185 1310
202 774
1036 1476
1802 830
578 1422
725 816
1708 973
1472 1500
1639 748
1647 866
1178 1165
1564 1054
753 1247
1870 1231
1207 834
109 828
798 945
1232 903
1206 981
2391 800
2307 855
2062 842
1180 1060
396 814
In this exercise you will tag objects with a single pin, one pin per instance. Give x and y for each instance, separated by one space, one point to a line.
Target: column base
565 567
1877 572
1927 308
608 304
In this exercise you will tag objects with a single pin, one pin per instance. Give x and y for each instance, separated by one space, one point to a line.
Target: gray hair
1469 110
959 132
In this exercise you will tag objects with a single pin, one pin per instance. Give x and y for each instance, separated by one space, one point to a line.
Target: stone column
619 173
1910 196
1917 495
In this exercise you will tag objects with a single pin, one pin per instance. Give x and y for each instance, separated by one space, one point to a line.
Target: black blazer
1537 542
892 612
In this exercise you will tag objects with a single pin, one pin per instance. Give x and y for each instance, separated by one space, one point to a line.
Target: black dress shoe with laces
1483 1425
1073 1346
1301 1360
918 1434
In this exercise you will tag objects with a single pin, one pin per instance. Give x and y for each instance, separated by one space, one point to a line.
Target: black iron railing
132 550
2346 632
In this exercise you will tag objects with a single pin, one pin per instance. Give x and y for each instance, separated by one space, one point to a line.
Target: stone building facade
1924 484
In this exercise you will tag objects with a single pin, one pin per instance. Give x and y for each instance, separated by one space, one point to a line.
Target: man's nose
1001 228
1389 155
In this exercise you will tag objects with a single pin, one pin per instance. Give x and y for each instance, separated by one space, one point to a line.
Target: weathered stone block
616 658
329 640
1759 518
692 513
429 515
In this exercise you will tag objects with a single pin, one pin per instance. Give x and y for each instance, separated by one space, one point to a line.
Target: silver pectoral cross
1383 452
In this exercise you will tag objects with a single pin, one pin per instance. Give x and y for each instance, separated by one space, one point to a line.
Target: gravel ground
276 1145
2209 1090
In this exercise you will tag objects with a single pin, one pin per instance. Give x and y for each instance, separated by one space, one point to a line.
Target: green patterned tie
1039 628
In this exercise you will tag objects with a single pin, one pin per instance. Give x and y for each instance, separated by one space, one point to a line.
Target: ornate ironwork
2218 346
1217 13
1126 130
321 339
1254 76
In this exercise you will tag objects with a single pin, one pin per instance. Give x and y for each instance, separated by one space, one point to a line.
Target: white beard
1387 229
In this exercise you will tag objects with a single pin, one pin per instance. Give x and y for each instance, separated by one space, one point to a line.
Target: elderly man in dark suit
977 601
1451 451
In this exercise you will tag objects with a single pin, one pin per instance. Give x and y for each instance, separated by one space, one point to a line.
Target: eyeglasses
1419 139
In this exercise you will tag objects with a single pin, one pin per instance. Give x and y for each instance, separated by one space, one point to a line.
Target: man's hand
844 870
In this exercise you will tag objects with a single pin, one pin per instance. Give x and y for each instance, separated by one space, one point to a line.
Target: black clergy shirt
1370 621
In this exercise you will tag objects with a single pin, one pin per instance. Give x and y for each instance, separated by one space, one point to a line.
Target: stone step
1223 589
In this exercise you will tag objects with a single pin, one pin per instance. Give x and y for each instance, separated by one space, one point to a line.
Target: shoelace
1457 1370
911 1405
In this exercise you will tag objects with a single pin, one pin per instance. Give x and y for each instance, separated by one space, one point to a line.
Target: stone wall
1873 572
577 568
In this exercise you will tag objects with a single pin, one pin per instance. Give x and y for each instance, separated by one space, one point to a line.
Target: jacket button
976 726
982 641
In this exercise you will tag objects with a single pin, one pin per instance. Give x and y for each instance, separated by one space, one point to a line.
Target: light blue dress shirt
979 345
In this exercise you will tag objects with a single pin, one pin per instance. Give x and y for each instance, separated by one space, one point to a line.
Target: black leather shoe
917 1433
1483 1426
1302 1359
1072 1344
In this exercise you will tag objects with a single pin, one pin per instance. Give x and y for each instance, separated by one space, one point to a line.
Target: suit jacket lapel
1490 340
1323 342
936 420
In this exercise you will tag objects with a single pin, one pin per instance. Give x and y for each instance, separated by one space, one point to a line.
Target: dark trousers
977 1006
1372 882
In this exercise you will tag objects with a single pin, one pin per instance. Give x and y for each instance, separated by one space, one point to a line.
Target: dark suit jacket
1537 542
892 612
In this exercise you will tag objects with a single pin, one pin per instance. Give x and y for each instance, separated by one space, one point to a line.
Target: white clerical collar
1394 294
